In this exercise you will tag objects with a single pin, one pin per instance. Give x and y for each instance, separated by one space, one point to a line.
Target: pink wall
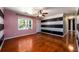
11 25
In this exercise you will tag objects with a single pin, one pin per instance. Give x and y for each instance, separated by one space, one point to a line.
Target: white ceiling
25 10
59 10
34 10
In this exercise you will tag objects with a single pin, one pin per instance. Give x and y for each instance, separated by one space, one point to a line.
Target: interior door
69 25
73 22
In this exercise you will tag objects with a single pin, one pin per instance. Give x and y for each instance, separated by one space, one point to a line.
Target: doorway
71 24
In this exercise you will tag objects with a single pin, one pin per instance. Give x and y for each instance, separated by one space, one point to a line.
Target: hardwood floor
41 42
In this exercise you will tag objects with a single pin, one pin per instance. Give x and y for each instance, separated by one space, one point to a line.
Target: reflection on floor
41 42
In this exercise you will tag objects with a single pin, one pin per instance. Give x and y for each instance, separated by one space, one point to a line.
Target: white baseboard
65 34
1 44
53 34
19 36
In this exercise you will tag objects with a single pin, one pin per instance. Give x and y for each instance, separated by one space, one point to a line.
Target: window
24 23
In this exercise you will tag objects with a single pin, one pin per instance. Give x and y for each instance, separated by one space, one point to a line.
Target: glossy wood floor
41 42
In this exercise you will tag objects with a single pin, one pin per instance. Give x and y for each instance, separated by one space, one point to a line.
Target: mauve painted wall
11 25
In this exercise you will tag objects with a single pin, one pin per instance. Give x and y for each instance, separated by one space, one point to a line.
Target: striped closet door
1 27
53 26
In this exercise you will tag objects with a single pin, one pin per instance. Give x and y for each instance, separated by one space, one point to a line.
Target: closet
1 27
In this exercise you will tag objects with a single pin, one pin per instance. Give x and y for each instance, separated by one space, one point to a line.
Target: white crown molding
54 16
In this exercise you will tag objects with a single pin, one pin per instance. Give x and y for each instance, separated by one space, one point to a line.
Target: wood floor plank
41 42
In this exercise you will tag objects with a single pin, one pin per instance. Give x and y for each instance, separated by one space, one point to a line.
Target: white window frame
26 22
